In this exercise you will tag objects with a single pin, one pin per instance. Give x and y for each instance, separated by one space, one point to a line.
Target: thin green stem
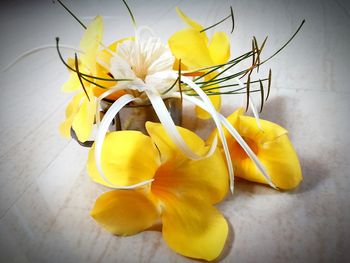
205 29
232 85
226 93
279 50
269 85
262 95
130 13
72 14
83 74
216 67
248 92
232 19
179 79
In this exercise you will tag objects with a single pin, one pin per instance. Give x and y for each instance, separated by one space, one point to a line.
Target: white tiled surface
45 194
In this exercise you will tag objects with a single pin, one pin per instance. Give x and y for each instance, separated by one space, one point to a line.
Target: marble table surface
46 195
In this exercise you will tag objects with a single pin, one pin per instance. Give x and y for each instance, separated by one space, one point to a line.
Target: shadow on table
228 245
314 172
275 110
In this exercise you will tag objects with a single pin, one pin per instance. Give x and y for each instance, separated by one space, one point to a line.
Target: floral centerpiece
168 175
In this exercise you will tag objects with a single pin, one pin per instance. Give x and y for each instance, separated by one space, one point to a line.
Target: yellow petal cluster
196 52
181 196
80 112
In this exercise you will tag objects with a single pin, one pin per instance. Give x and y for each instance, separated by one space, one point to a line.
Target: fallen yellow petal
193 228
125 212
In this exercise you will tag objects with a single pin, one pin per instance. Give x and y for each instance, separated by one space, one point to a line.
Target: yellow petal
193 228
90 43
215 99
106 54
189 21
280 160
206 179
219 48
72 84
84 120
234 117
183 66
125 212
71 62
71 111
102 73
114 96
168 149
190 46
92 35
128 157
248 125
74 104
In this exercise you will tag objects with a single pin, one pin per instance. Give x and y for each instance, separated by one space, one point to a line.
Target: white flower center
146 60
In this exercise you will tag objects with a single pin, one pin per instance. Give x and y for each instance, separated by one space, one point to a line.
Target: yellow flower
271 145
196 52
81 111
181 196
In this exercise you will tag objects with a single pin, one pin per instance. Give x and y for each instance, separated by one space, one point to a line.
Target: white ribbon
104 95
214 114
251 104
170 127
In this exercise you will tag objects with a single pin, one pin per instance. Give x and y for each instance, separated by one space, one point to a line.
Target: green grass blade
72 14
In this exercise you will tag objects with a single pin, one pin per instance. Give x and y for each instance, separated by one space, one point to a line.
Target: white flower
147 61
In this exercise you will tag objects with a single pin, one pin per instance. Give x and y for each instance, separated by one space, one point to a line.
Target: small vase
134 117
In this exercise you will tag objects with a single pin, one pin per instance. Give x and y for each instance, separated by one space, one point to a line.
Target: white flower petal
161 81
146 60
120 68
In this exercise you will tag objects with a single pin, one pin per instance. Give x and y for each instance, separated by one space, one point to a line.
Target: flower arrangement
168 175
